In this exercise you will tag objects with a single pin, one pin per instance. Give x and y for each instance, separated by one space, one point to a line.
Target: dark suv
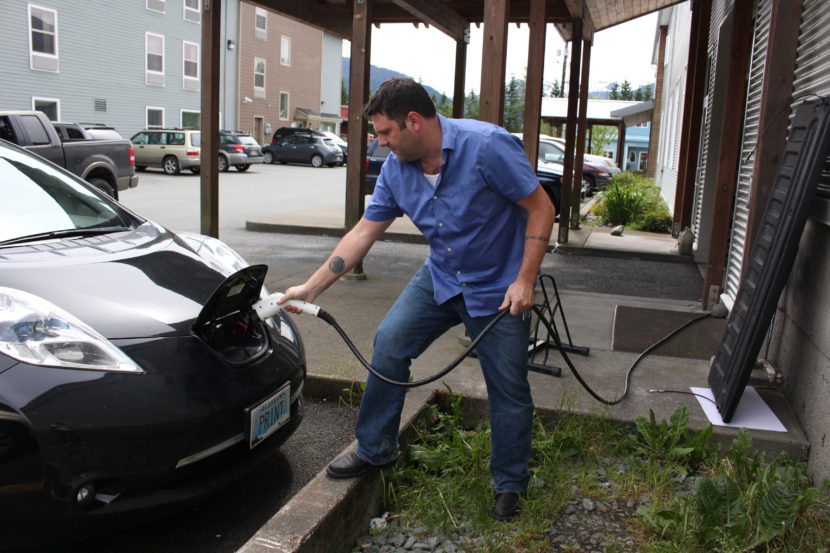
238 149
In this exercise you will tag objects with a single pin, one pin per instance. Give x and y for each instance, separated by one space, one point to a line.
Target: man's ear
414 120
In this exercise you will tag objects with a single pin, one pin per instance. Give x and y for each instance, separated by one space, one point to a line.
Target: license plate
268 416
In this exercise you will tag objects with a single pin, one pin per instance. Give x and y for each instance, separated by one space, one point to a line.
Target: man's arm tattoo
542 238
337 265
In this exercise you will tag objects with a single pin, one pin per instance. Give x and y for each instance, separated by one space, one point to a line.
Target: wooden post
458 93
535 69
494 60
209 116
358 96
730 151
621 161
570 132
692 112
576 187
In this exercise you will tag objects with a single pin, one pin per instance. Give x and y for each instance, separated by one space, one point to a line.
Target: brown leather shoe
349 465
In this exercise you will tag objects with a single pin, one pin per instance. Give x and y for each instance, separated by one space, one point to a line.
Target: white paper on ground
752 411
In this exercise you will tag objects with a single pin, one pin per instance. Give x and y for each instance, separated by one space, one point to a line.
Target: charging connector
268 307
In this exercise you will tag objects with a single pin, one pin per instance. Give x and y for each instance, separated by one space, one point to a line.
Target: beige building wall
298 81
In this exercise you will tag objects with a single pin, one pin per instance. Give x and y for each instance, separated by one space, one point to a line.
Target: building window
154 47
192 10
155 118
155 5
285 50
43 39
51 107
259 78
284 106
261 24
330 127
190 65
191 119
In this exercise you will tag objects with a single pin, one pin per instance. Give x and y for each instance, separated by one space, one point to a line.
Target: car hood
140 283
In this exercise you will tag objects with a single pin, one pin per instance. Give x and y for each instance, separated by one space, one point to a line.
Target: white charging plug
269 307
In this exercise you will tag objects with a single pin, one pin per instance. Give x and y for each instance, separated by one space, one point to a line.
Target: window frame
260 91
162 2
185 77
147 70
285 51
147 117
181 117
195 13
33 55
260 33
283 116
56 101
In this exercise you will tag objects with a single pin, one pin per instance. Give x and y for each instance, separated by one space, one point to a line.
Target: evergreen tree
614 91
514 105
444 106
638 94
555 90
471 105
648 92
625 91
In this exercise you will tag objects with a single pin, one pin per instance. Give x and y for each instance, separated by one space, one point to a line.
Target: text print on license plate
270 415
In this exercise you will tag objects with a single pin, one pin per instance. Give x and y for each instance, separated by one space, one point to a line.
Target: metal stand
537 344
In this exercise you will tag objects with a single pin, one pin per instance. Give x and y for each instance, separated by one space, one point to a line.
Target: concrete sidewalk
360 305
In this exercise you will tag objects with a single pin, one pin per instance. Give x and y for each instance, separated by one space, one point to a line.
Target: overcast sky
619 53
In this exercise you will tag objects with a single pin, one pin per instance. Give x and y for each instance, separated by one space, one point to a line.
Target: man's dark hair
397 97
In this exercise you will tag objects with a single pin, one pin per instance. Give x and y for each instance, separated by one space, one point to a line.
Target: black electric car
134 374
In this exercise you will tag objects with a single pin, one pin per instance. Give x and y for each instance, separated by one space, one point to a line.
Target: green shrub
622 203
633 201
655 222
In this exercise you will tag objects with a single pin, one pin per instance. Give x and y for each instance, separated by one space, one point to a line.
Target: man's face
404 142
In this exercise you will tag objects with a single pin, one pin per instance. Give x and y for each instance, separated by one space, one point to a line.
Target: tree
601 136
471 104
514 105
614 91
555 90
648 92
625 91
444 106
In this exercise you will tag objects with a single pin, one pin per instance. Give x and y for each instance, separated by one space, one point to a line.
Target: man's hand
519 298
301 292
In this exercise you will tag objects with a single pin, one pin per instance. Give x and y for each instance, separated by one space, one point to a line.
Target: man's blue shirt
471 220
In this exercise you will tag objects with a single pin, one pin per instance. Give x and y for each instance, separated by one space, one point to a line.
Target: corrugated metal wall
720 10
812 73
740 215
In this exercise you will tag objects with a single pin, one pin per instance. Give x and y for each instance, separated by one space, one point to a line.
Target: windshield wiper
70 232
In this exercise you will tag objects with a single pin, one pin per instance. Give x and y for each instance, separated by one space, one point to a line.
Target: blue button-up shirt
471 220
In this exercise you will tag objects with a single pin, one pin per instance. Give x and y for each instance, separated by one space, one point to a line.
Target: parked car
170 149
596 170
231 144
134 374
549 172
106 164
284 132
344 146
304 148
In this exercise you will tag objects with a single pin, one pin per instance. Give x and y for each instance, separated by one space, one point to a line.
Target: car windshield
39 199
248 140
334 138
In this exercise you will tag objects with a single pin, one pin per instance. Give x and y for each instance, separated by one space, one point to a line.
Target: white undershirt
432 179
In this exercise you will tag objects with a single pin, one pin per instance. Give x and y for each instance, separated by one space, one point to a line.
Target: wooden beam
315 13
534 82
654 132
459 93
622 162
209 115
494 61
576 186
358 96
570 132
438 14
776 96
730 151
692 112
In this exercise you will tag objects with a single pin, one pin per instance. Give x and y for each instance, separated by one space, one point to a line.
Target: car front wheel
268 157
170 165
317 160
223 163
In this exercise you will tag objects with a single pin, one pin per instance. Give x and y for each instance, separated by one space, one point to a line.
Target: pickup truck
106 164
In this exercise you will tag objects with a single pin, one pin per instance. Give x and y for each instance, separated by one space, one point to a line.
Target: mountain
378 75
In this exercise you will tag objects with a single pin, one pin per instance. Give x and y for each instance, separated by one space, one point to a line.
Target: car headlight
34 330
216 253
603 174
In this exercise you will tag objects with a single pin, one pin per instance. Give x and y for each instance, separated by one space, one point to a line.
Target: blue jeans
412 324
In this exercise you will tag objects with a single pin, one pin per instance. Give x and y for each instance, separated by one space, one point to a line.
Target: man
469 188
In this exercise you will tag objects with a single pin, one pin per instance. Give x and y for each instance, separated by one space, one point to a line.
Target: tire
195 170
317 160
140 168
224 166
12 440
268 157
588 186
243 168
170 165
103 186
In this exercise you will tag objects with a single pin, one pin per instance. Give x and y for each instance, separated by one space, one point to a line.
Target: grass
701 501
